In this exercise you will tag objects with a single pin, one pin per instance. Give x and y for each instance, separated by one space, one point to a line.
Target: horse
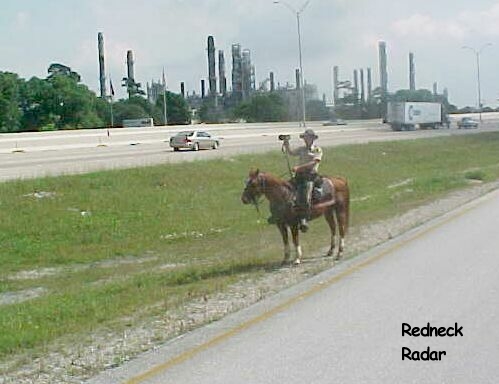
333 205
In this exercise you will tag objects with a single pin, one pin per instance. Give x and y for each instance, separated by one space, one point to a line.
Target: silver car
194 140
467 122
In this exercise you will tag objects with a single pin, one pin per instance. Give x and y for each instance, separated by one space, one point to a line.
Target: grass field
103 245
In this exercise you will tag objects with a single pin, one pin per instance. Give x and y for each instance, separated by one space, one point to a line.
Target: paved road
344 326
29 155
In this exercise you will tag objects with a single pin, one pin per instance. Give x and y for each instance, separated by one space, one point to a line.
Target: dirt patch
51 272
73 363
7 298
34 274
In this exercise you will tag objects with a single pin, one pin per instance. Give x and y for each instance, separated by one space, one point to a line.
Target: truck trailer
408 115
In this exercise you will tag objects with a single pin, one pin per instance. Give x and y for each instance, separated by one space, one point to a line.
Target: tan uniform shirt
307 155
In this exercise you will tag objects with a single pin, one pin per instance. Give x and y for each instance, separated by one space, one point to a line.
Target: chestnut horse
281 195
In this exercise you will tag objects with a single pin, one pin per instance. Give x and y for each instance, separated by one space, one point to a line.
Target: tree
211 113
132 108
38 112
10 102
177 109
56 69
73 103
262 108
408 95
61 102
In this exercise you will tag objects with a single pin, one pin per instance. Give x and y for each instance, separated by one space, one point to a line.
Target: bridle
255 200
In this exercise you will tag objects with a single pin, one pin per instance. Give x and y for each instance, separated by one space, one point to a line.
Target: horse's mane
272 179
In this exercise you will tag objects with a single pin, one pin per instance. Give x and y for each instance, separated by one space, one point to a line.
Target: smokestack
182 89
246 73
130 73
237 75
412 72
356 85
369 84
212 78
272 84
446 94
297 75
129 65
336 90
221 73
102 71
253 78
202 89
383 77
362 88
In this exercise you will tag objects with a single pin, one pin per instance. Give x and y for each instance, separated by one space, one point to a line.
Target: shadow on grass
196 274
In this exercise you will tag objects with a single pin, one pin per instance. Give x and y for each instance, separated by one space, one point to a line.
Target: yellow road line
290 302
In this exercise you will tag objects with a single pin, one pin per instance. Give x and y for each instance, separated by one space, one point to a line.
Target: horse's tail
347 205
343 200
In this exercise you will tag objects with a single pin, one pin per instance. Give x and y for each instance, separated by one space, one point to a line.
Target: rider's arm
306 167
309 166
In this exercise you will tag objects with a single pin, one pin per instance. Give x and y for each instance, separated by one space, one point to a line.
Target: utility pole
298 14
164 98
477 53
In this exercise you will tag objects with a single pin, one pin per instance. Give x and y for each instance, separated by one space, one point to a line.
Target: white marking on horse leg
299 254
340 248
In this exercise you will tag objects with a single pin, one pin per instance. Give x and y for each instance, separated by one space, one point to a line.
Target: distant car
194 140
334 122
467 122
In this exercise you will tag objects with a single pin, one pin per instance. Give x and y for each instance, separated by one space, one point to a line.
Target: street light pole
301 82
479 93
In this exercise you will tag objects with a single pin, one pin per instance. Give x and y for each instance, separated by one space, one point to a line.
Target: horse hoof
297 262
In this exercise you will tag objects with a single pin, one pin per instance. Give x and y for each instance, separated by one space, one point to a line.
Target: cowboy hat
309 133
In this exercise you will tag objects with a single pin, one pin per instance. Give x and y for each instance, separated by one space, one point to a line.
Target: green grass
188 217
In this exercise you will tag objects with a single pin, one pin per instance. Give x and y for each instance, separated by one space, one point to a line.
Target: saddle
321 190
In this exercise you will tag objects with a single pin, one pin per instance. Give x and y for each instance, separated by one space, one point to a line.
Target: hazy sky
173 34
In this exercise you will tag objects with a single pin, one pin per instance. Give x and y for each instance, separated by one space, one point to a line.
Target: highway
345 325
28 155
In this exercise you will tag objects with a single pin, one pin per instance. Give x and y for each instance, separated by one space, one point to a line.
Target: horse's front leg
285 239
296 242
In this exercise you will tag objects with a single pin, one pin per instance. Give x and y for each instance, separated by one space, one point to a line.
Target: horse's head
253 187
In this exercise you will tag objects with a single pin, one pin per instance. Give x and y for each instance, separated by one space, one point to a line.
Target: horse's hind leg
342 216
329 215
285 239
296 242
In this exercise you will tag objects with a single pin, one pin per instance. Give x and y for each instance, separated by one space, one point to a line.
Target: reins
256 201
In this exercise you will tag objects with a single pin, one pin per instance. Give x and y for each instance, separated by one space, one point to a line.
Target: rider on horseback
305 172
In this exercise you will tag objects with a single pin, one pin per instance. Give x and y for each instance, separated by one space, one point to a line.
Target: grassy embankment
187 227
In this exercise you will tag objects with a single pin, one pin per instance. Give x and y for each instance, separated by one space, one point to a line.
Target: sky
172 34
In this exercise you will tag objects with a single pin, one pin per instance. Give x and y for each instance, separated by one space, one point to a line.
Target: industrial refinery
355 96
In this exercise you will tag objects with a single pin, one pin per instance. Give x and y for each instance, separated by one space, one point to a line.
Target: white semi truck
408 115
